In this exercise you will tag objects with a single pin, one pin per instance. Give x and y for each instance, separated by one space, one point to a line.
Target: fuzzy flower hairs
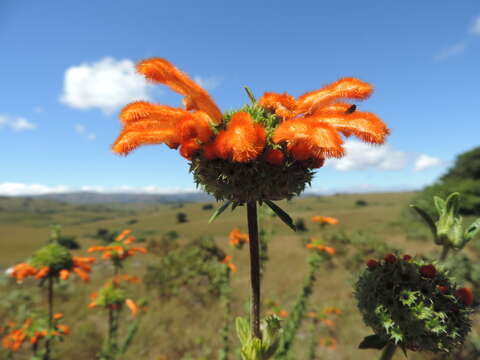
278 138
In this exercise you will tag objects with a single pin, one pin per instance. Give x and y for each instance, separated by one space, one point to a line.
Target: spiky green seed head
413 304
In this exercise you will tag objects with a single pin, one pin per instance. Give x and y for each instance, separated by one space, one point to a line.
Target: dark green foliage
463 177
182 217
168 242
300 225
405 307
361 203
105 235
207 207
131 221
69 242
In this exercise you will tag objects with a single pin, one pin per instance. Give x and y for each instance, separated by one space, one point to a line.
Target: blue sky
67 68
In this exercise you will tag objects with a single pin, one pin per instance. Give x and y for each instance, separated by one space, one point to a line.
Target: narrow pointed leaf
472 230
453 203
373 342
281 214
243 330
220 210
439 204
427 219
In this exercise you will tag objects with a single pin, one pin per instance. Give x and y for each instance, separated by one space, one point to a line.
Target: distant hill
104 198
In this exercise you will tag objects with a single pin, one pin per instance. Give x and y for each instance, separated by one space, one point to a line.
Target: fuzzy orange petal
209 151
195 126
42 272
283 105
129 140
132 306
243 140
82 274
189 148
162 71
64 274
142 110
346 88
325 141
364 125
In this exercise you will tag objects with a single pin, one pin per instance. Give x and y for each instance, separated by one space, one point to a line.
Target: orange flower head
227 260
328 343
237 239
323 220
274 144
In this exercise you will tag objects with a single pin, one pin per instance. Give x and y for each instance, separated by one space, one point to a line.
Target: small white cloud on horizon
475 28
17 123
425 161
361 156
455 49
19 189
79 128
208 83
106 84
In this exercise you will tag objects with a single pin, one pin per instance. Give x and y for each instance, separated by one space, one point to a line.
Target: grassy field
181 327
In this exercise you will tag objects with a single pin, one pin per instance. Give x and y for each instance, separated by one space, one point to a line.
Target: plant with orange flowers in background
50 264
237 239
32 331
321 318
262 152
316 258
113 298
119 250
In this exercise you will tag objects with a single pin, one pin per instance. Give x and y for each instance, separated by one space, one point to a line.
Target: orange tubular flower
119 249
243 140
236 238
21 271
228 261
322 220
328 343
132 305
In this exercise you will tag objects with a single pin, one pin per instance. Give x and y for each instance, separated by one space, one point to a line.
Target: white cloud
475 29
38 109
359 189
208 83
82 130
455 49
16 123
13 189
107 85
360 156
425 161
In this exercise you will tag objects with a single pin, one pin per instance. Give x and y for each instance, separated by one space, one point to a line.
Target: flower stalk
389 351
254 268
50 317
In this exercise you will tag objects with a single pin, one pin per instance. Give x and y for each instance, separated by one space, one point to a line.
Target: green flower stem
443 255
389 351
294 320
312 351
254 268
226 297
50 318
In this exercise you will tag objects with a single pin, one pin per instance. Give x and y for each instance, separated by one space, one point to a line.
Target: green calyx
110 295
55 256
256 180
448 230
412 308
259 349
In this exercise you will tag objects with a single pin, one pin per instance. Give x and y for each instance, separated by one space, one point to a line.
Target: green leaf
220 210
472 230
427 219
243 329
373 342
282 215
439 204
453 203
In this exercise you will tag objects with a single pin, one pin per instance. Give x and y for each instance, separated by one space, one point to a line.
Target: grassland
182 328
